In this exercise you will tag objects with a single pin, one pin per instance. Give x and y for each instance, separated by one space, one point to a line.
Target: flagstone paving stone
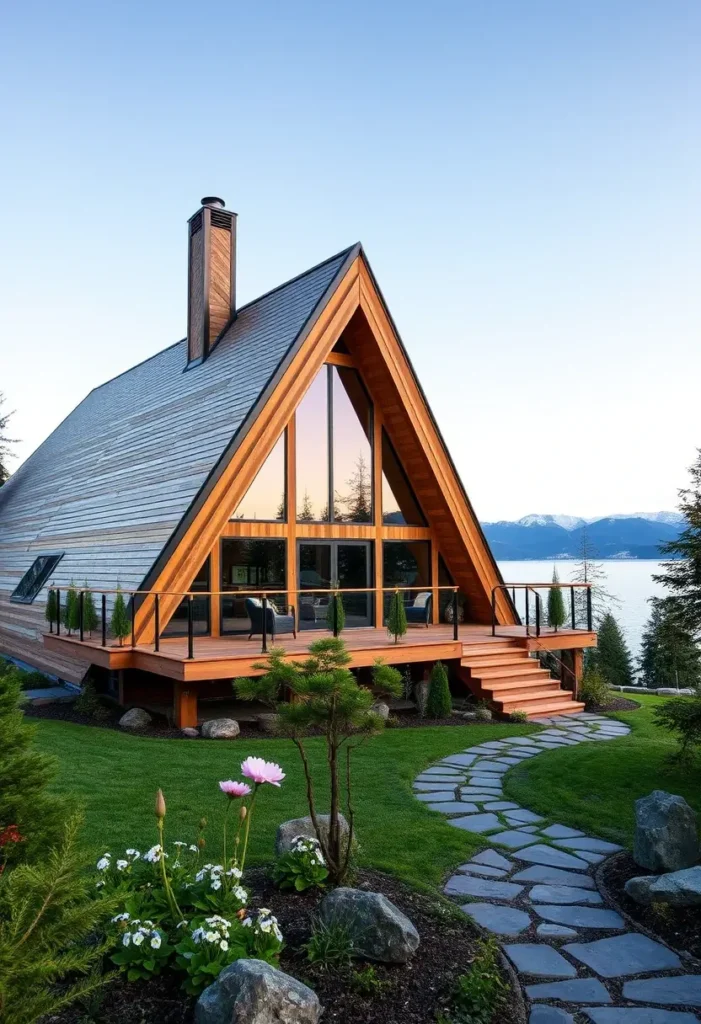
552 888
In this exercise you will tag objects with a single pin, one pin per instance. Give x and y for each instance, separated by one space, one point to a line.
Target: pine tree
306 513
359 501
71 613
335 618
683 575
669 654
89 611
5 442
51 609
439 704
588 570
611 657
556 606
120 623
396 618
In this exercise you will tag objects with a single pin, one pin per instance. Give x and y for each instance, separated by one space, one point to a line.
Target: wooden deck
231 656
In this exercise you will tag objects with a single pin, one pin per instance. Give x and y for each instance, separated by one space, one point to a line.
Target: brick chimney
211 278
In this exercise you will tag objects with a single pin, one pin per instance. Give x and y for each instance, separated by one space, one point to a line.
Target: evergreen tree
51 609
556 606
683 575
669 655
396 618
337 617
5 442
611 657
71 614
439 704
306 513
89 611
120 623
359 500
588 570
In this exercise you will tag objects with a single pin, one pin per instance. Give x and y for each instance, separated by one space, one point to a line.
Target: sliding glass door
325 565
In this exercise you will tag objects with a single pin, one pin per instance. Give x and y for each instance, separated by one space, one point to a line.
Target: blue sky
524 175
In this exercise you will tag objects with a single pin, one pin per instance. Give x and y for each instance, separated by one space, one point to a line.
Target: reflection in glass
315 581
325 565
312 427
265 498
399 504
406 564
177 626
250 564
352 449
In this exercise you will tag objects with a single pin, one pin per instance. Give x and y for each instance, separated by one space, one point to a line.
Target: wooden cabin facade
281 454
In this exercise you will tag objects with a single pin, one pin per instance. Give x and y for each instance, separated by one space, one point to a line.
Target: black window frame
37 584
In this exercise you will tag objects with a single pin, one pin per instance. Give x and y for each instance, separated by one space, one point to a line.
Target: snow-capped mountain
549 536
566 522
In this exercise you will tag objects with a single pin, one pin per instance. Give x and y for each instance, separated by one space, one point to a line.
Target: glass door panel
314 578
326 564
353 570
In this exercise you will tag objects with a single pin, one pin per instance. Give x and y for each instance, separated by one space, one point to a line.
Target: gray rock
549 1015
636 1014
290 830
506 921
620 955
381 709
483 715
666 833
577 990
482 888
684 990
476 822
555 931
554 876
220 729
677 888
562 894
538 959
190 733
253 992
581 917
550 857
135 718
268 722
379 930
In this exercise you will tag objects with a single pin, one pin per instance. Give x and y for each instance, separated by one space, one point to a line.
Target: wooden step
496 647
507 658
511 672
540 702
519 684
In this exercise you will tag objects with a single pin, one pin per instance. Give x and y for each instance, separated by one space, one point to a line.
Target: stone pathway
576 958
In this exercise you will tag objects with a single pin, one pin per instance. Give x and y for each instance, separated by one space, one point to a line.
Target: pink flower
234 790
262 771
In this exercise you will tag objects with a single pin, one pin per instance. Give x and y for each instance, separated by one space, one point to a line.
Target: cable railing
266 616
532 588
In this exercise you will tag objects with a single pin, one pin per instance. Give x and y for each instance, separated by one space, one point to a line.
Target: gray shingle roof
112 483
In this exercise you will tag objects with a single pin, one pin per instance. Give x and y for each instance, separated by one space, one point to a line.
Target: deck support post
184 705
573 663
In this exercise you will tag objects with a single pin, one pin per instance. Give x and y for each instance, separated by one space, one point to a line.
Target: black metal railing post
572 609
528 612
589 615
494 611
190 637
49 599
455 615
335 614
133 620
513 596
157 623
104 620
537 614
58 613
264 602
81 610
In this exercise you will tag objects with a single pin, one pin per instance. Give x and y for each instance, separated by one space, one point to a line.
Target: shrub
120 624
682 716
396 617
439 704
71 617
330 945
479 994
302 867
89 612
51 609
34 680
335 617
143 949
204 951
88 703
594 690
556 605
483 712
518 716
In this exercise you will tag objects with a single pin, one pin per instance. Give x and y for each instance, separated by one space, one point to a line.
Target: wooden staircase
503 673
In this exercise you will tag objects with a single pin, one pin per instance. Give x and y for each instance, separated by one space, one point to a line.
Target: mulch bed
412 993
680 927
615 704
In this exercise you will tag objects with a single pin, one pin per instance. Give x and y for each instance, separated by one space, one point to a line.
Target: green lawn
116 776
593 786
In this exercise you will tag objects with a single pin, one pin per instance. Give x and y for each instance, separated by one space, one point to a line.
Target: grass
115 777
593 786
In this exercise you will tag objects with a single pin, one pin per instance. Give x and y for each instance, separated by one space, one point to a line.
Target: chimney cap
212 201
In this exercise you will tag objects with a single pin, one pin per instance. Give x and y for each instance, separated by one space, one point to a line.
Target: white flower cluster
141 932
302 844
105 862
216 932
266 922
155 854
215 872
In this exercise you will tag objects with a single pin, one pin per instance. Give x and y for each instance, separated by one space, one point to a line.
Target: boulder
290 830
677 888
381 709
135 718
666 833
190 733
483 715
253 992
268 722
220 729
379 930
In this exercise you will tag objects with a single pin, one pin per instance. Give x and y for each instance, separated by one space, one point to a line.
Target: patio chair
275 622
419 613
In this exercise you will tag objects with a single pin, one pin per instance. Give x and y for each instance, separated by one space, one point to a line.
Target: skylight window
35 578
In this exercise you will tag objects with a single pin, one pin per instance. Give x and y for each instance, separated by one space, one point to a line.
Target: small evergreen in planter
396 619
89 612
557 615
335 618
51 609
439 704
71 615
120 623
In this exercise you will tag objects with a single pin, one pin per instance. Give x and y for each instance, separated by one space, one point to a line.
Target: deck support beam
573 663
184 705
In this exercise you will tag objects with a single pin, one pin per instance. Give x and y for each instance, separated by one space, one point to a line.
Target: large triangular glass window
265 498
399 504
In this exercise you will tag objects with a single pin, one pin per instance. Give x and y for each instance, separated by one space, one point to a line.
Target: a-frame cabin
233 484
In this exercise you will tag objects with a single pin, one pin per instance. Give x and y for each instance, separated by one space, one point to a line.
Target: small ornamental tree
325 696
120 623
557 615
70 609
611 656
51 608
335 617
89 612
439 704
396 618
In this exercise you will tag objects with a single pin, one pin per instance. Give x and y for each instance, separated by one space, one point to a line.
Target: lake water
628 580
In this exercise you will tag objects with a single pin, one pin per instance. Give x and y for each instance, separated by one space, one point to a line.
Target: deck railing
266 597
530 588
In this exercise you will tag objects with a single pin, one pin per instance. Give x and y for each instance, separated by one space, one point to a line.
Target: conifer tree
71 614
611 656
120 623
335 618
306 513
396 618
669 654
556 606
51 608
588 570
359 501
89 611
5 442
439 704
683 575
